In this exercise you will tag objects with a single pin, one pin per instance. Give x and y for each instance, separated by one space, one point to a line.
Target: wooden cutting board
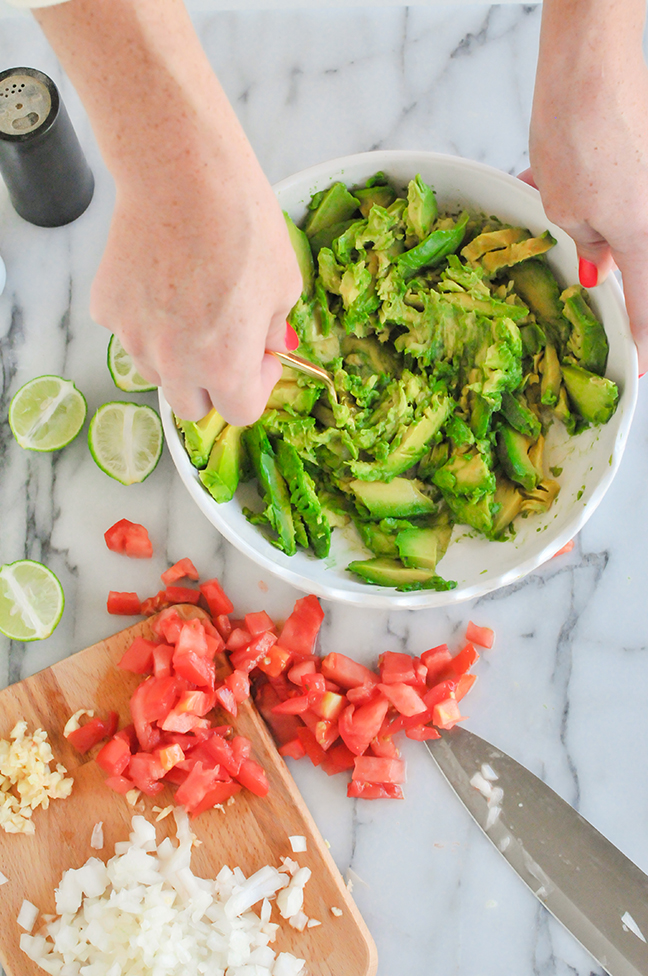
250 833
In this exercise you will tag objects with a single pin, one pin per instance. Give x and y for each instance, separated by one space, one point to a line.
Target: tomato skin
436 660
151 701
292 706
238 683
297 671
222 753
196 786
257 623
130 539
184 568
404 698
275 661
464 660
420 733
483 636
300 630
216 598
371 769
90 734
293 749
249 657
124 604
181 594
374 791
114 756
359 725
346 672
465 683
138 657
153 604
253 777
223 625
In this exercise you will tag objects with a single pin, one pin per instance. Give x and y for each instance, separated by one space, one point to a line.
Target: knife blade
594 890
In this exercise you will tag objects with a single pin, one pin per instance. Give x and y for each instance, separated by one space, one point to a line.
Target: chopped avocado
514 253
303 496
221 476
487 306
541 498
273 486
492 241
413 445
370 356
199 436
422 207
479 514
388 572
423 548
326 236
551 377
519 416
536 285
400 498
593 397
465 474
379 537
533 337
335 205
513 452
509 499
288 395
302 249
587 343
431 251
382 196
481 411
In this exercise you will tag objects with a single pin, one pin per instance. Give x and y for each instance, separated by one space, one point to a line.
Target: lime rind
126 440
47 413
123 371
31 600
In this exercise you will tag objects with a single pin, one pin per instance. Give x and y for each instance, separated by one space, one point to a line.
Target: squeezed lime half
123 371
47 413
31 600
125 440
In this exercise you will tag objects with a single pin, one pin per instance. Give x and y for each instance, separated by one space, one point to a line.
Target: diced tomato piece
249 657
196 786
125 604
238 638
114 756
238 683
177 721
198 702
311 746
181 594
153 604
120 784
464 660
297 671
561 552
395 667
129 538
483 636
465 683
215 645
176 775
362 694
440 691
330 706
169 756
129 736
217 601
253 777
223 625
223 754
242 748
338 759
374 791
384 747
275 662
192 637
436 660
404 698
446 714
292 706
300 630
169 624
146 771
219 793
162 657
315 685
346 672
138 657
194 667
420 733
326 733
293 749
370 769
84 738
257 623
283 727
225 698
184 568
151 701
282 686
360 724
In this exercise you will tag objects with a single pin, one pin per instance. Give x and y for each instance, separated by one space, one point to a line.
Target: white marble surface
564 689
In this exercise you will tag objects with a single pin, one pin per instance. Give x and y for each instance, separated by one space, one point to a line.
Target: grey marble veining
564 688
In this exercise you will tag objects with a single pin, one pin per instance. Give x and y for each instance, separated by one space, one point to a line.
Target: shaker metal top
25 104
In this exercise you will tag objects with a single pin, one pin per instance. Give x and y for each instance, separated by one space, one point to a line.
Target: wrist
590 39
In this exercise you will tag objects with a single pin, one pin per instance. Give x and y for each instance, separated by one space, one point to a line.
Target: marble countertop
564 688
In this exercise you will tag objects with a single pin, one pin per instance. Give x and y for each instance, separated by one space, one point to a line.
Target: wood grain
250 833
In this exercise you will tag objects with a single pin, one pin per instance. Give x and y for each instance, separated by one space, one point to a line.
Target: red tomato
153 604
275 661
125 604
120 784
222 753
396 667
483 636
162 657
446 714
297 671
346 672
300 630
292 706
177 721
129 736
252 776
129 538
370 769
257 623
238 683
330 706
194 667
566 548
169 624
374 791
313 749
183 568
249 657
326 733
294 749
225 698
359 725
283 727
181 594
223 625
198 702
241 748
196 786
152 700
146 771
138 657
217 601
422 732
219 793
465 683
464 660
93 732
114 756
238 638
384 747
338 759
404 698
168 756
362 694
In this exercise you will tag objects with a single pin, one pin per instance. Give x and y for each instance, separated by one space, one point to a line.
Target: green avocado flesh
453 349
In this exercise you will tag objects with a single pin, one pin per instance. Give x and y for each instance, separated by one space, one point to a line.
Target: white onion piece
27 915
3 878
298 843
488 773
287 965
481 784
97 838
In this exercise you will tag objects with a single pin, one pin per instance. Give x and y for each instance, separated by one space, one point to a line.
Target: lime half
47 413
123 371
125 440
31 600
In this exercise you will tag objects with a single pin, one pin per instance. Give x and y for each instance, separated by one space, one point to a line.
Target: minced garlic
26 780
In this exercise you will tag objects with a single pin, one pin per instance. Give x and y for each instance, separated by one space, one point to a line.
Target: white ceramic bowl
589 461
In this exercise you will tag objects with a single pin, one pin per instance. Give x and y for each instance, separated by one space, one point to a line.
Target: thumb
595 259
527 177
634 269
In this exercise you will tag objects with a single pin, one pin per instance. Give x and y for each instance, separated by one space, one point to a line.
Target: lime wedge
31 600
125 439
122 369
47 413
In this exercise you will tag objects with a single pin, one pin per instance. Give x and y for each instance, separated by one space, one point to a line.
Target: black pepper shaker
41 161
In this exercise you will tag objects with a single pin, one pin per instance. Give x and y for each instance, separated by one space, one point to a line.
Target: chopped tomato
162 657
436 660
566 548
396 667
283 727
292 706
217 601
360 724
184 568
169 624
238 638
275 661
249 657
181 594
238 683
465 683
311 746
446 714
300 630
257 623
346 672
252 776
374 791
114 757
84 738
219 793
153 604
153 699
177 721
483 636
330 706
294 749
138 657
384 747
363 693
404 698
225 698
326 733
464 660
338 759
129 538
422 732
297 671
370 769
146 771
198 702
223 625
125 604
196 786
120 784
169 756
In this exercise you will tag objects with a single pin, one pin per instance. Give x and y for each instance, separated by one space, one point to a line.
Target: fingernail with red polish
291 339
587 273
641 374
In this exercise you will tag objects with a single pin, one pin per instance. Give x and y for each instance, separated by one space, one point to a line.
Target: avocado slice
433 249
413 445
509 499
423 548
513 452
465 474
287 394
479 514
333 206
199 436
551 377
490 307
533 338
388 572
493 240
541 498
382 196
519 415
588 342
379 537
275 492
535 283
223 471
326 236
399 498
369 356
594 397
422 207
515 253
303 496
302 250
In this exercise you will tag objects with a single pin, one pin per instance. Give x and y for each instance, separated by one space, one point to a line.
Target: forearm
146 84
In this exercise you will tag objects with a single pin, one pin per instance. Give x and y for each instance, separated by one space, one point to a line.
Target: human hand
197 279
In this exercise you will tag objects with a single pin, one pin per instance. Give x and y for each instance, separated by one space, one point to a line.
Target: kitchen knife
597 893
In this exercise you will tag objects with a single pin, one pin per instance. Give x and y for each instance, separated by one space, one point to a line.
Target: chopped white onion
27 915
3 878
298 921
492 817
298 843
313 923
481 784
336 911
489 773
97 838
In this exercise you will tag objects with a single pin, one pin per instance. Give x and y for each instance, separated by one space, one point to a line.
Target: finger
245 404
150 375
595 262
186 402
527 177
634 269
